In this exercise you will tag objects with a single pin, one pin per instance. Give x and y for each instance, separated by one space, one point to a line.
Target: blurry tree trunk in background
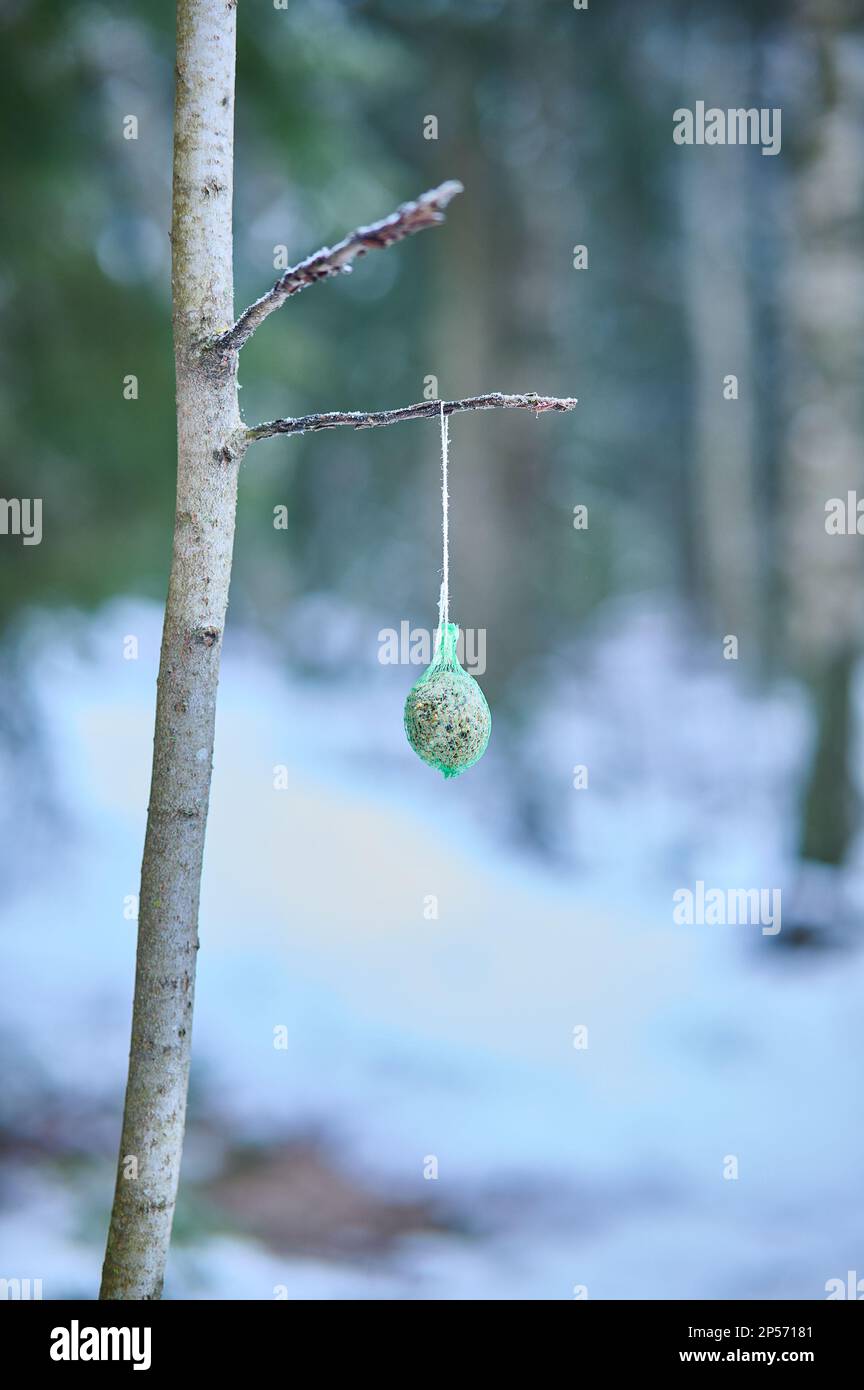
717 295
825 298
207 418
468 351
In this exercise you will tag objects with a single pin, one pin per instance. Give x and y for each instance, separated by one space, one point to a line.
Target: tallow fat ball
447 719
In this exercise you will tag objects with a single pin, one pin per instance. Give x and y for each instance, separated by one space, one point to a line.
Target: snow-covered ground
411 1036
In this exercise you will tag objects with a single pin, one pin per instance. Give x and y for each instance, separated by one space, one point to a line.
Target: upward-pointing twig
427 211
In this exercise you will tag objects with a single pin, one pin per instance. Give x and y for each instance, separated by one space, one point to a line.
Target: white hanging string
444 600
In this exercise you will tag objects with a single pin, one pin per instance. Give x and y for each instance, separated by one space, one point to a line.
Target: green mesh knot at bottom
447 719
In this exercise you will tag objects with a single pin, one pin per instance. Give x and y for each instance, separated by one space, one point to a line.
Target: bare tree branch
427 211
423 410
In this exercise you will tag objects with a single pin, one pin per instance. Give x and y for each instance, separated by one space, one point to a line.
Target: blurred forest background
604 646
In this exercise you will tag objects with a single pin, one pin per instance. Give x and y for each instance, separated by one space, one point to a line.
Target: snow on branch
423 410
426 211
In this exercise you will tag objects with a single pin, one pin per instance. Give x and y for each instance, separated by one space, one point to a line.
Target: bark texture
423 410
207 422
425 211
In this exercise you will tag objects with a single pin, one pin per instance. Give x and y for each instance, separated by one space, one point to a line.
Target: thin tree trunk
211 441
720 314
207 418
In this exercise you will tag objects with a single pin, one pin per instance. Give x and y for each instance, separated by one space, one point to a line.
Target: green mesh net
447 719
